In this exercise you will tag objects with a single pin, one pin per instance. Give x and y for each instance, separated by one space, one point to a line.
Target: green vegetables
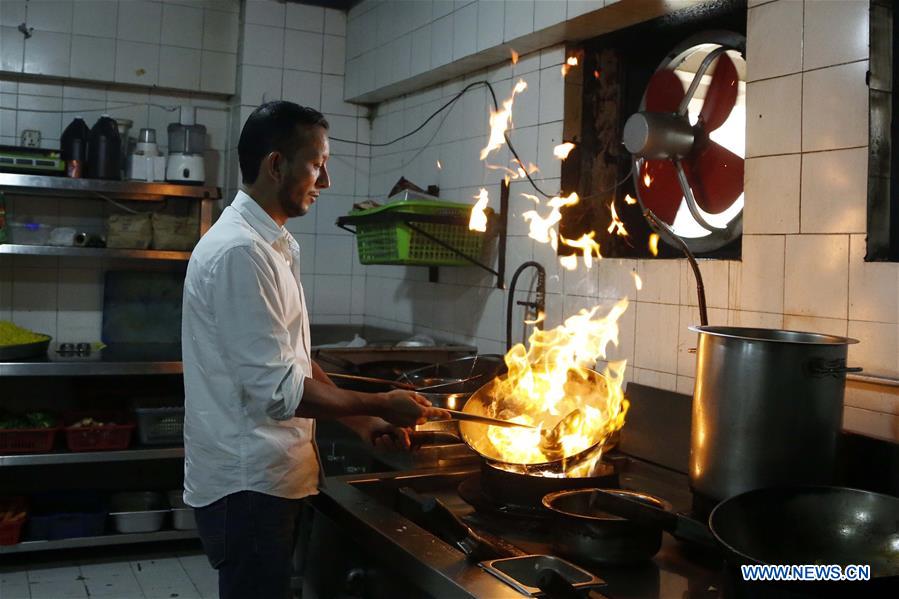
29 420
11 334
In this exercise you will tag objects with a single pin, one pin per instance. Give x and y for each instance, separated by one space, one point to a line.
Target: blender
185 163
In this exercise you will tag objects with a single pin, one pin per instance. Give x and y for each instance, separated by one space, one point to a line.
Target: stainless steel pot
767 409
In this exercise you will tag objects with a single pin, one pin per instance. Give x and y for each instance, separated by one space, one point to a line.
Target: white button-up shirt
245 345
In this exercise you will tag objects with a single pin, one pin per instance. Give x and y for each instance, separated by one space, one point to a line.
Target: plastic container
398 243
28 233
27 440
183 517
160 426
66 515
141 511
73 147
13 513
108 437
104 150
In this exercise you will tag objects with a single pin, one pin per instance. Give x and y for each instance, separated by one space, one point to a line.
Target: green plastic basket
397 243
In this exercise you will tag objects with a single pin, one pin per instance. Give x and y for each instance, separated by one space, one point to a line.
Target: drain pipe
540 301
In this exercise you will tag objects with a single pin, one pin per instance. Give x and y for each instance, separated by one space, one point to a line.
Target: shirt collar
257 218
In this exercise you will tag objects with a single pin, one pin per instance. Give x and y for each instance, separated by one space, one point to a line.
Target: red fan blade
663 92
663 195
721 95
716 176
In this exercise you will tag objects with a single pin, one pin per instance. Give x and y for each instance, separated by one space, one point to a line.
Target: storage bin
13 512
183 517
65 515
398 243
160 426
28 233
27 440
108 437
141 511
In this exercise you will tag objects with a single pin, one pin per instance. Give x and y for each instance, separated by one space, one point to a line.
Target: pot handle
835 368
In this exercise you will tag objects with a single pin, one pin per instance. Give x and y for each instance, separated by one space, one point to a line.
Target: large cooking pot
767 409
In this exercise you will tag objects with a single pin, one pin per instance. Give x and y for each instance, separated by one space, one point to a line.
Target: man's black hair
274 126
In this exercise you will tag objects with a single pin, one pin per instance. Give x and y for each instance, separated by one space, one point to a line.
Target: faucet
540 301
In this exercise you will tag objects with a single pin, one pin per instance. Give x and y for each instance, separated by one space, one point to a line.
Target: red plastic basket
27 440
108 437
11 528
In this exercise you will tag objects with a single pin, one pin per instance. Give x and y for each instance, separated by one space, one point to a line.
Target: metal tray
38 349
521 572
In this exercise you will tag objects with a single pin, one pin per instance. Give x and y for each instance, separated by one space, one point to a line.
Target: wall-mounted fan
688 141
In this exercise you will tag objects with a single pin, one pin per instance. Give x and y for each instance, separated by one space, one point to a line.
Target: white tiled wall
169 43
802 264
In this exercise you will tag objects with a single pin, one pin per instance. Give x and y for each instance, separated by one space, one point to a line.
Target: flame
514 56
647 180
541 228
501 119
572 61
569 262
552 378
478 219
561 151
616 226
587 245
541 316
565 69
654 243
596 74
638 282
629 200
531 197
439 166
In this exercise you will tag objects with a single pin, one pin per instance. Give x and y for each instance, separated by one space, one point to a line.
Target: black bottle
104 150
73 147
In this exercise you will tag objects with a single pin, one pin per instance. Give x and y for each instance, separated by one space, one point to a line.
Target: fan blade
663 92
716 176
663 195
721 95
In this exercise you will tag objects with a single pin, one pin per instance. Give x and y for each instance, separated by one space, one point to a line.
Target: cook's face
307 174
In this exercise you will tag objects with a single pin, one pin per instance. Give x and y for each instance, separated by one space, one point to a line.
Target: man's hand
407 408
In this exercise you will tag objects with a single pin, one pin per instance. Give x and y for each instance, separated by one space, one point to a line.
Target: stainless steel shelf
117 539
129 190
78 457
88 368
75 252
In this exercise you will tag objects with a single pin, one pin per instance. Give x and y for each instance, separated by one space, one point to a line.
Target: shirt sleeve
253 333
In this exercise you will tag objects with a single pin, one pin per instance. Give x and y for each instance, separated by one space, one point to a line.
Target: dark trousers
249 538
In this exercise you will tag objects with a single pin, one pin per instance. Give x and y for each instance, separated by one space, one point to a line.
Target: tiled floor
139 574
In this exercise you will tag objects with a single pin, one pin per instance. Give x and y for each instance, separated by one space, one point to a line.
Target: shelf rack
113 539
91 457
499 221
79 252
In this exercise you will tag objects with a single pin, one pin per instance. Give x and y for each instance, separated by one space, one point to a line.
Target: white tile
219 69
334 55
873 286
12 12
401 58
661 281
303 50
303 88
304 17
465 31
526 64
548 13
772 194
688 341
220 31
332 294
48 53
12 49
335 22
817 275
50 15
519 19
92 58
136 63
421 50
332 96
553 56
334 254
580 7
490 14
715 279
656 339
552 95
441 8
265 12
139 21
872 397
757 283
835 191
835 32
765 320
771 40
877 349
386 18
872 424
774 107
182 26
266 46
179 68
835 107
49 123
814 324
98 18
442 41
526 110
260 84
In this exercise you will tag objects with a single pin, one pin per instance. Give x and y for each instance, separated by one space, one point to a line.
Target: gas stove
363 544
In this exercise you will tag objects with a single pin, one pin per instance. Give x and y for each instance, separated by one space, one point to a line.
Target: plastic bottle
74 147
104 150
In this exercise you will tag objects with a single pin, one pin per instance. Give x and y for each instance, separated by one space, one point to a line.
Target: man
251 388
